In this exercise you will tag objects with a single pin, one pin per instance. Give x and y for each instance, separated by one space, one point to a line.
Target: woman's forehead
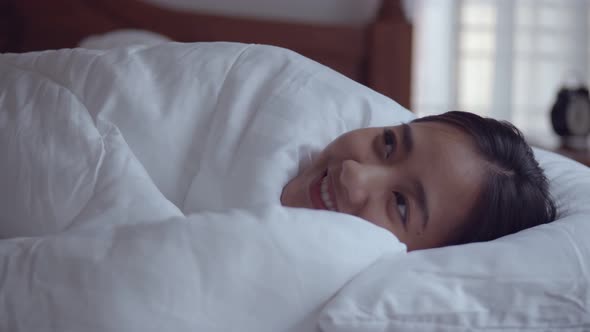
446 162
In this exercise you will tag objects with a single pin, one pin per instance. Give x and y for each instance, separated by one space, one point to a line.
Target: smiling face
418 181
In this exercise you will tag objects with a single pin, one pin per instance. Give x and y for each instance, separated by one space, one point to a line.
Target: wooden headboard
377 54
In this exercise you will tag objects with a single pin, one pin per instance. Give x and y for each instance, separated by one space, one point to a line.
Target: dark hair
515 193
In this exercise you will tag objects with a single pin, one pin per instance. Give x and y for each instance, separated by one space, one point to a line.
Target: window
502 58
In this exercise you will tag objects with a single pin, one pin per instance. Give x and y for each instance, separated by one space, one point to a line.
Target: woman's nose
358 181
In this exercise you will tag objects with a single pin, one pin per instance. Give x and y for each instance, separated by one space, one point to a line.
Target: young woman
440 180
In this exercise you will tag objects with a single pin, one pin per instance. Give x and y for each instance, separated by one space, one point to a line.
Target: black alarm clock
570 117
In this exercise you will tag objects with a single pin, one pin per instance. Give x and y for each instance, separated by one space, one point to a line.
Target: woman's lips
315 193
322 198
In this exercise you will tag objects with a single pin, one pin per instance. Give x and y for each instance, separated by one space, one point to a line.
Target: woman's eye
402 206
389 142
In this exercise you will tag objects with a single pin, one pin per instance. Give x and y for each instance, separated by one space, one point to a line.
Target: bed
140 192
375 51
140 188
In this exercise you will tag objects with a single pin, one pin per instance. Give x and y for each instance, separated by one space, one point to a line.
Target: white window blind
501 58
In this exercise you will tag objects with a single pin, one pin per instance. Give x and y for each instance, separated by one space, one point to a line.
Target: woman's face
419 181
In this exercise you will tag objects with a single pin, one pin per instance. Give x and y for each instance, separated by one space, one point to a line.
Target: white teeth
325 195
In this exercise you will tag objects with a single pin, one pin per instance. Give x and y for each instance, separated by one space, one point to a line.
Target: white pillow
535 280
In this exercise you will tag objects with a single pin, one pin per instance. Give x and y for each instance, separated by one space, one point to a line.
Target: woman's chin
289 197
284 196
294 194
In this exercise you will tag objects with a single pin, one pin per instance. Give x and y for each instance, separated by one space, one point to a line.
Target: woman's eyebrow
421 198
407 138
408 145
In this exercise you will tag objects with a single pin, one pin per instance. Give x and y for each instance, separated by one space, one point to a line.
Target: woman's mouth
321 196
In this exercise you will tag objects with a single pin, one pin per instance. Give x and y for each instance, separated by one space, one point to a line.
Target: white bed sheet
123 173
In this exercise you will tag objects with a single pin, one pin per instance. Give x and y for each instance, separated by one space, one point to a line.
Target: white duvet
139 189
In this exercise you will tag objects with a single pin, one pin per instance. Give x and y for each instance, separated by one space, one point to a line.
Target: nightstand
581 156
577 155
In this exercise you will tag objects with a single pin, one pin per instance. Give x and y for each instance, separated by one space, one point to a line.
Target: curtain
500 58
